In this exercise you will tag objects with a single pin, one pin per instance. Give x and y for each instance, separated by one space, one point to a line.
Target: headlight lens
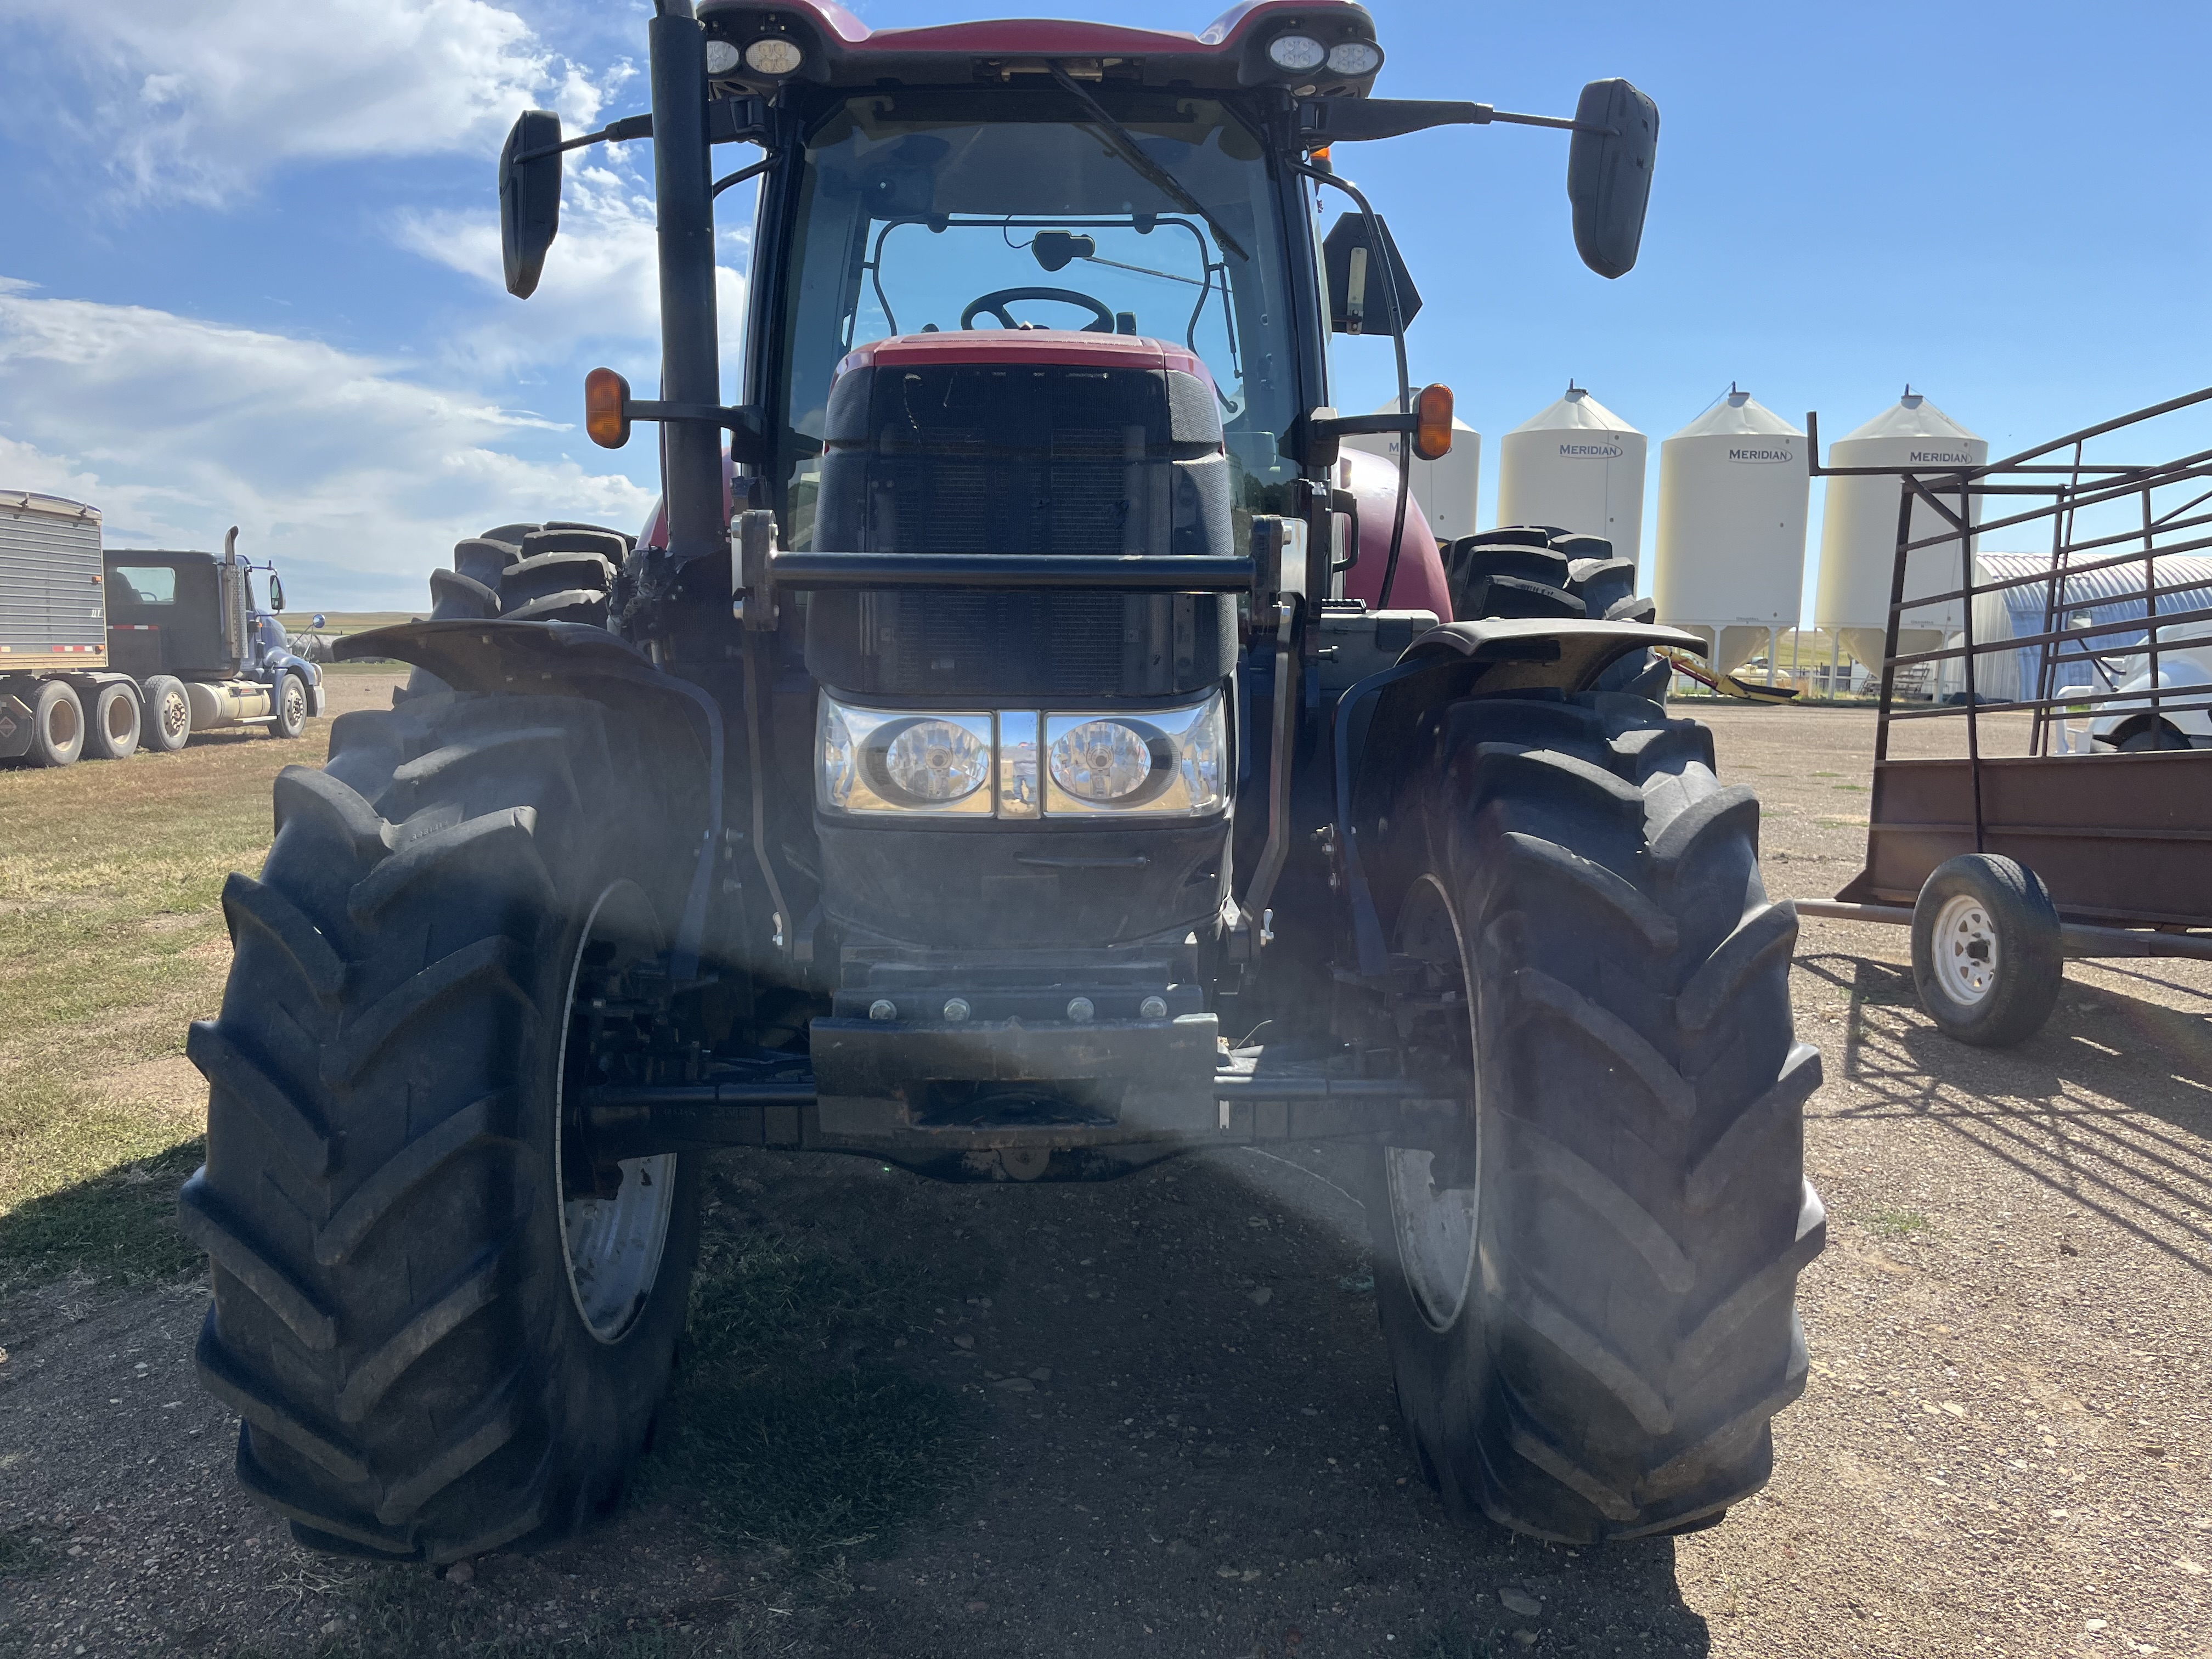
874 760
1297 52
1170 763
721 58
773 56
937 761
1101 760
1355 57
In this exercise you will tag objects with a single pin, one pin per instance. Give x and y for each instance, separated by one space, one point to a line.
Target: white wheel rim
1435 1229
1965 949
612 1246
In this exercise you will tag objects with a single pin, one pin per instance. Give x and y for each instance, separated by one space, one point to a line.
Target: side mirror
1609 174
276 591
1358 302
529 197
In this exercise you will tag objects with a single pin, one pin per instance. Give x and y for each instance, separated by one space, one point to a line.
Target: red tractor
1020 696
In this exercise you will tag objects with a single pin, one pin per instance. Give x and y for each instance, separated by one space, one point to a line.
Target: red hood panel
1009 347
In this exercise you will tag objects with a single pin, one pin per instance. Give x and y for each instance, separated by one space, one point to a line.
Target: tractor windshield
914 215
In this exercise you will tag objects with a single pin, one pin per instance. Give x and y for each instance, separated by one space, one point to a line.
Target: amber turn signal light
1432 423
606 409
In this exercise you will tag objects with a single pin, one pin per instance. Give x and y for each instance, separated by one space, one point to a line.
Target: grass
777 1438
1897 1223
111 941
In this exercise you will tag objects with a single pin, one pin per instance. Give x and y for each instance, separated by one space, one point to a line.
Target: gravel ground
1183 1439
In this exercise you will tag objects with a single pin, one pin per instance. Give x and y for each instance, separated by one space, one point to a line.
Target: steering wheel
998 300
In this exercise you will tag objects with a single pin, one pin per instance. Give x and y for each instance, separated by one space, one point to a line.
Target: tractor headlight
1355 57
721 58
773 56
873 760
1111 765
1297 52
1170 763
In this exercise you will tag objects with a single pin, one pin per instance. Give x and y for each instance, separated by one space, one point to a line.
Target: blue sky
250 274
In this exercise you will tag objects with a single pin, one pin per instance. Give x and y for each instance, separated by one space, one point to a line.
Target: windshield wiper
1157 176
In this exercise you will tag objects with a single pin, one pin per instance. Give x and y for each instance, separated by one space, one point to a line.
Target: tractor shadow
2110 1104
1170 1419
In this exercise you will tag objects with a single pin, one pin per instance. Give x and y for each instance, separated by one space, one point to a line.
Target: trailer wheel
446 1332
112 732
168 722
288 703
56 724
1587 1288
1988 951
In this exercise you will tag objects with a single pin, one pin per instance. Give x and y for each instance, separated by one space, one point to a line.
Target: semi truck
106 650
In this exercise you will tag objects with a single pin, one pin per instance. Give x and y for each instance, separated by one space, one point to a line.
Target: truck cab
192 621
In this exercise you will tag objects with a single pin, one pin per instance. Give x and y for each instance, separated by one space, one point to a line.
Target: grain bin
1447 488
1577 465
1858 531
1730 559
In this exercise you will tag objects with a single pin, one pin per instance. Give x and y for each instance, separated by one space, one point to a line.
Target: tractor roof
157 555
839 49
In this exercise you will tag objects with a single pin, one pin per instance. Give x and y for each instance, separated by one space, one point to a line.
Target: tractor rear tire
111 723
421 1373
1588 1294
168 725
56 724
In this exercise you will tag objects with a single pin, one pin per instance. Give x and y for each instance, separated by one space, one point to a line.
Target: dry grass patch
111 941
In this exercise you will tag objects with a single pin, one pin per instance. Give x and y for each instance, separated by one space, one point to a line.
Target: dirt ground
1175 1433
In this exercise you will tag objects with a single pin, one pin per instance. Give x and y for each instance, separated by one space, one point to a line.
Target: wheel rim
176 713
611 1244
120 720
60 723
1966 951
1435 1229
296 706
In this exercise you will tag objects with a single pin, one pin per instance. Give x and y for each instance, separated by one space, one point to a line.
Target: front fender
1378 719
493 655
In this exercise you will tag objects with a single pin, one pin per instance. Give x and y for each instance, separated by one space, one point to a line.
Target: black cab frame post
691 367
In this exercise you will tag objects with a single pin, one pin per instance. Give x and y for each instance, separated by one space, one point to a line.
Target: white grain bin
1730 559
1858 531
1577 465
1446 489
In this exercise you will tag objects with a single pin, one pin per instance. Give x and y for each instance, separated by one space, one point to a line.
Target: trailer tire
1988 950
422 1372
56 725
113 724
167 722
1591 1320
287 705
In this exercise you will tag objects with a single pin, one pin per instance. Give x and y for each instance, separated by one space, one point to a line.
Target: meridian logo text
1942 458
1602 451
1762 455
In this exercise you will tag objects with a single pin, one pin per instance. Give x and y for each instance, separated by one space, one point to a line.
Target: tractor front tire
1588 1294
439 1343
288 704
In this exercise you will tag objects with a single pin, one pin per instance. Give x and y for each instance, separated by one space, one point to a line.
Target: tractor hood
1022 441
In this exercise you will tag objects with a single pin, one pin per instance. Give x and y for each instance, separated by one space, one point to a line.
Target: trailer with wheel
2018 848
107 650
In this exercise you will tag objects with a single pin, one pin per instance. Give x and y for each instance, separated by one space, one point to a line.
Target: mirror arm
1325 121
743 173
747 431
614 132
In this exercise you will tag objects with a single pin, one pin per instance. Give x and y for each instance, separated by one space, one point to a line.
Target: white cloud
177 429
201 98
601 282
